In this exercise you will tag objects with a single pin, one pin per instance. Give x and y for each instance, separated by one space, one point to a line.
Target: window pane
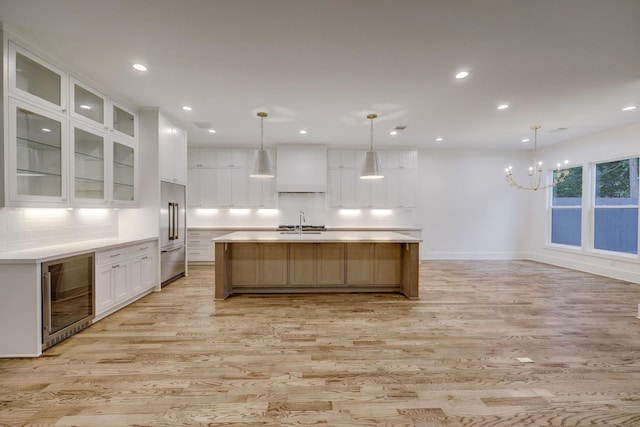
617 183
566 226
569 191
616 229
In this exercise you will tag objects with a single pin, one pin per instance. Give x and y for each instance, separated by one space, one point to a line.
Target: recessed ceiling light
212 131
631 108
462 75
303 132
503 106
187 108
439 139
85 106
393 132
139 67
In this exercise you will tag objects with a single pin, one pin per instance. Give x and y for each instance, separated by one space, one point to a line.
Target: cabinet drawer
142 248
114 255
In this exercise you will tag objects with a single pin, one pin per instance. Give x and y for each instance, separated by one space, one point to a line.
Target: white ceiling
323 65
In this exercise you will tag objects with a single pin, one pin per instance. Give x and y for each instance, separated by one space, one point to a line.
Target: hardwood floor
449 359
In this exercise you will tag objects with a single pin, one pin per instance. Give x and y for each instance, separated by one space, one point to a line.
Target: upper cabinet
87 104
172 142
65 143
34 79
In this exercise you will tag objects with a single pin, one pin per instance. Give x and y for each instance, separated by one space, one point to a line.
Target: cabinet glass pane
123 121
37 79
89 165
88 104
123 168
39 154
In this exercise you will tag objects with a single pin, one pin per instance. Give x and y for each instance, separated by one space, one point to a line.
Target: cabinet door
273 263
303 264
245 265
124 122
124 170
387 263
360 264
172 143
87 104
88 148
342 188
104 290
193 188
401 189
32 78
120 280
38 154
330 263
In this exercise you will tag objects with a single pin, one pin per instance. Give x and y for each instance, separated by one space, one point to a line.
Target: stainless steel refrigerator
172 232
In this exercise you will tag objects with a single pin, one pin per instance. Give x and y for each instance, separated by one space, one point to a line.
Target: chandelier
536 171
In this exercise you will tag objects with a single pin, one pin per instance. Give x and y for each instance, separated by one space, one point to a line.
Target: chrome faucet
302 219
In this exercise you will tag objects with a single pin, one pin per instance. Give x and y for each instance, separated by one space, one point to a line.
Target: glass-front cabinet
124 176
38 153
89 165
36 80
88 104
124 122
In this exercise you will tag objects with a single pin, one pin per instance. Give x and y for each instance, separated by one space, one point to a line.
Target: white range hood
302 168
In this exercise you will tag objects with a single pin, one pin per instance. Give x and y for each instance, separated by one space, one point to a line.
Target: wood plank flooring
177 358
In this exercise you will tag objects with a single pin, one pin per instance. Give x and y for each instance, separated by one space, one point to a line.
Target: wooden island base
303 266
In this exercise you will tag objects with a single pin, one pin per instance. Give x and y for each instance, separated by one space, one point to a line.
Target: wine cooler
68 289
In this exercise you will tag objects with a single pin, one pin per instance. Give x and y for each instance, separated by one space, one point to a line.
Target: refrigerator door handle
170 228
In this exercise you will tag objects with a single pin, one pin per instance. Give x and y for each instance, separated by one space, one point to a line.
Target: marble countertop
48 253
317 237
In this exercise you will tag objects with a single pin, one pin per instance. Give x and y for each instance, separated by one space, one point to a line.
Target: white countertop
324 236
49 253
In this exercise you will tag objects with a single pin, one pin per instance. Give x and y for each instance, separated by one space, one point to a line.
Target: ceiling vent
203 125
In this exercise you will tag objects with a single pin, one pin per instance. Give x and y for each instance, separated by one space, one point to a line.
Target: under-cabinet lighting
239 211
93 213
268 212
44 213
349 212
205 211
381 212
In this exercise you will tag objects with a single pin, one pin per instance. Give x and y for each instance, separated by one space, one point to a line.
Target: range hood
302 168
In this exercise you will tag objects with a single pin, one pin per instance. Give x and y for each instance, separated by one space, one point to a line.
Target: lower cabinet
123 275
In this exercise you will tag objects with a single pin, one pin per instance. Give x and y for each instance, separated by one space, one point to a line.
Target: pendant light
372 168
261 163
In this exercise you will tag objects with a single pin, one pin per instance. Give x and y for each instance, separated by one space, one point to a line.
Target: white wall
465 208
612 144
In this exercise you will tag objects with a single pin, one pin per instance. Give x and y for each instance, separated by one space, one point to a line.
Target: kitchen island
327 261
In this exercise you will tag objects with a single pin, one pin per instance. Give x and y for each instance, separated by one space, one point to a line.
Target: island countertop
319 237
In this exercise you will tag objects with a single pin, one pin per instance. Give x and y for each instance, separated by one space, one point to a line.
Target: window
616 206
566 209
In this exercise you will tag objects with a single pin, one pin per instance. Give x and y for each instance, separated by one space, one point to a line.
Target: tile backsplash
32 228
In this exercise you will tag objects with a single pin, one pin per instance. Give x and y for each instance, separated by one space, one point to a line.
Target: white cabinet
89 166
401 189
38 153
123 275
200 247
172 142
342 188
66 143
219 178
36 80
